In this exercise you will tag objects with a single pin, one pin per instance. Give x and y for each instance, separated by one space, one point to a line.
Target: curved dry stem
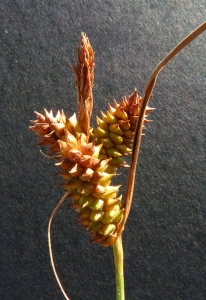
146 97
50 243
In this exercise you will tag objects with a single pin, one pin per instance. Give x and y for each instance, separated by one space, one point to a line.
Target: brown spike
112 110
54 148
75 170
149 109
87 174
65 164
48 139
96 177
116 105
84 71
104 117
124 103
110 240
62 118
89 162
74 155
88 148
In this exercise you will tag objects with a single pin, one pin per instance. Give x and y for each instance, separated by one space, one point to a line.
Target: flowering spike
84 72
111 119
102 124
104 117
75 171
116 105
111 109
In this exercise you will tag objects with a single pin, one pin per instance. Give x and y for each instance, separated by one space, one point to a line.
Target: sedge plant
88 158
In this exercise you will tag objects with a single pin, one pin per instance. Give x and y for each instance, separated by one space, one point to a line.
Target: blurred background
165 236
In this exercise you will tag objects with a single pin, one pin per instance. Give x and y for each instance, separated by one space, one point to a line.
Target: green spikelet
115 129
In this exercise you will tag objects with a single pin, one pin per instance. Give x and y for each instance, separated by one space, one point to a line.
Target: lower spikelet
99 209
85 177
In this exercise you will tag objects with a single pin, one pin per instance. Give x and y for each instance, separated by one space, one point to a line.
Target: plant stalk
119 268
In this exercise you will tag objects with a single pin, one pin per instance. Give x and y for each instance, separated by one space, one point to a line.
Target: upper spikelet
115 129
85 176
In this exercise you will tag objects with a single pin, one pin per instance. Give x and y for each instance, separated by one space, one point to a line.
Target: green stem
119 268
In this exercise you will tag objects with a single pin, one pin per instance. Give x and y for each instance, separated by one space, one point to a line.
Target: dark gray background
164 239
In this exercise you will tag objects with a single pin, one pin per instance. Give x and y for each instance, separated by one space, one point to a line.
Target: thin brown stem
50 243
146 97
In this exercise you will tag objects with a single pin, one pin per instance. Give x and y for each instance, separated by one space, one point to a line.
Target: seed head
88 158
